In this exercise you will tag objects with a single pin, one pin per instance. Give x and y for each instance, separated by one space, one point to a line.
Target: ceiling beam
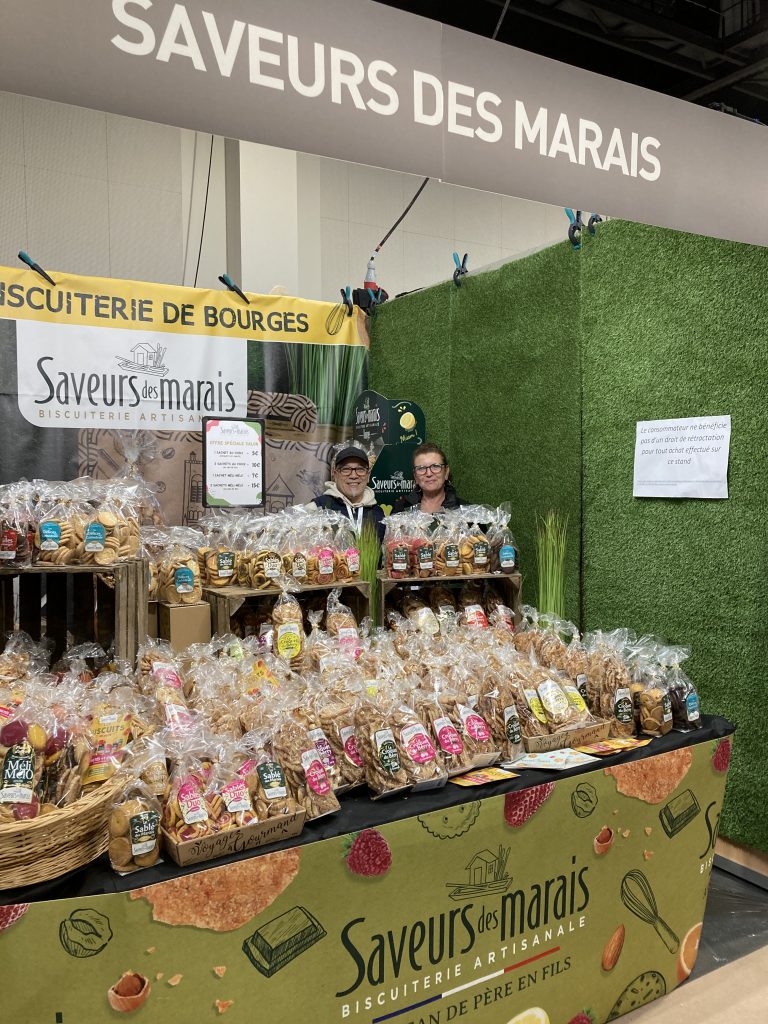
727 80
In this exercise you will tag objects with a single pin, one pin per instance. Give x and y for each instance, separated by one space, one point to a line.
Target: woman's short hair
428 448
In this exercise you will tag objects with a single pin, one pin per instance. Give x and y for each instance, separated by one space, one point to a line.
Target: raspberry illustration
722 756
519 807
369 855
10 914
585 1017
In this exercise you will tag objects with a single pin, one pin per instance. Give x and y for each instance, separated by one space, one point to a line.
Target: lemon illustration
533 1016
407 421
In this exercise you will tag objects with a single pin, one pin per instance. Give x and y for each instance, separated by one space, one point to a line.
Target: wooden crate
225 602
510 585
92 602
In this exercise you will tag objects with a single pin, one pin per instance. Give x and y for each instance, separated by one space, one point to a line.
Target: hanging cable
501 18
205 211
420 189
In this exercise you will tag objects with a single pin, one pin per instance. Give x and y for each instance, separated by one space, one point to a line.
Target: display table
487 901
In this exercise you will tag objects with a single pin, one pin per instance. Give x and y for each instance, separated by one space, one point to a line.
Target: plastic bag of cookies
292 747
503 547
288 623
346 557
267 783
16 533
134 829
397 549
446 540
178 576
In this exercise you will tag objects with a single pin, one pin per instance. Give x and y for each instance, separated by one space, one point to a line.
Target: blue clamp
231 286
461 268
576 227
346 298
594 220
26 258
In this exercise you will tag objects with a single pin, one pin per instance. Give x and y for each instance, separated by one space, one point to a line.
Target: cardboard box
184 624
151 619
234 840
567 738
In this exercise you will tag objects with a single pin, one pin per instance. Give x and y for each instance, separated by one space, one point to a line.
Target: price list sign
233 462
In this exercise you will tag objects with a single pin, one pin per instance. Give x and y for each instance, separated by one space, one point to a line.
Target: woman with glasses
348 492
433 491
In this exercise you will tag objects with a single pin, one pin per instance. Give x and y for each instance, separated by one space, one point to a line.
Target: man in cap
348 492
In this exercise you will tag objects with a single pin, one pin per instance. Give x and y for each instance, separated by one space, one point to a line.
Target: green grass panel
410 356
495 366
674 325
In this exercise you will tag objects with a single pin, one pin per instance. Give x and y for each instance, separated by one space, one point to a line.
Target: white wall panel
68 222
426 260
11 127
65 139
334 246
142 153
145 248
13 212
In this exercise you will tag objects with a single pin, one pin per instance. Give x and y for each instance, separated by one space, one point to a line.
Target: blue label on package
184 580
50 536
507 556
95 536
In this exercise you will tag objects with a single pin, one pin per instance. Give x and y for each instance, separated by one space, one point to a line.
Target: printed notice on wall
686 458
233 462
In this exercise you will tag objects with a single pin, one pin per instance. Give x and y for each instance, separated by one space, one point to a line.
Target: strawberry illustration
10 914
519 807
369 854
585 1017
722 756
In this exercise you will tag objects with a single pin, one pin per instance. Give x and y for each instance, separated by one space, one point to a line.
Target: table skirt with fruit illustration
545 899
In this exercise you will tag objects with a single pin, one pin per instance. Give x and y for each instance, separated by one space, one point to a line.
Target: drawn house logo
279 496
145 358
486 873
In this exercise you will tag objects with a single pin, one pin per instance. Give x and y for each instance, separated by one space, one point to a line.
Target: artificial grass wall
675 325
495 367
668 325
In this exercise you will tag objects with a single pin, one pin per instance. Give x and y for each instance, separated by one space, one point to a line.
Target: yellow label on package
483 776
289 640
605 747
109 733
259 676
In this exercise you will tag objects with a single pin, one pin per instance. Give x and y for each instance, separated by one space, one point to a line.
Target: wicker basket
53 844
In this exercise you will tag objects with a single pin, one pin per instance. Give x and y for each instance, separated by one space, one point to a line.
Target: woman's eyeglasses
435 467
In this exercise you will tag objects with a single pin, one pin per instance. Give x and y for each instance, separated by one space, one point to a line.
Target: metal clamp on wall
461 268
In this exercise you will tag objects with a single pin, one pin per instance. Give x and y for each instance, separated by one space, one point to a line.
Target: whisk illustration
637 896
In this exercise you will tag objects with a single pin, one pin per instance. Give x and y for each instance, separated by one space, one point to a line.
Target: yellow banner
142 306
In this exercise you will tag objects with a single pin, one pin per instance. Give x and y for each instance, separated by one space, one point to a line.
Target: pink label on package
167 674
236 797
417 744
474 724
314 772
349 740
325 562
324 748
191 802
247 767
447 736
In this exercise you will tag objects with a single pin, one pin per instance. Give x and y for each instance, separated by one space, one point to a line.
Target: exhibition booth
261 757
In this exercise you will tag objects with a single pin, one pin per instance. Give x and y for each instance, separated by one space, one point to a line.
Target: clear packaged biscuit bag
178 575
683 695
16 531
267 782
186 812
346 559
288 623
378 746
397 546
335 702
134 828
436 705
498 705
503 546
419 754
341 624
227 793
292 747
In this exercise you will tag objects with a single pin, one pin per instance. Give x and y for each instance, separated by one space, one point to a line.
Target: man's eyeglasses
352 470
435 467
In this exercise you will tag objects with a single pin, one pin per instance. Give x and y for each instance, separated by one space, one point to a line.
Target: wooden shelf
78 601
510 583
226 602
